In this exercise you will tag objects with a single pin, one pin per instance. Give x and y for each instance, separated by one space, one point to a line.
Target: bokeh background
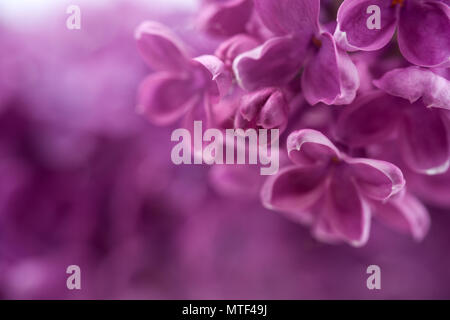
85 180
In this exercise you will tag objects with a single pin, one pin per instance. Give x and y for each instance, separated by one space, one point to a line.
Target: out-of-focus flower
181 85
225 17
423 28
329 75
413 107
432 190
405 214
331 191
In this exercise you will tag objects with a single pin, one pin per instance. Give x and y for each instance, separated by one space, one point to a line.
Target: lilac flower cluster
365 115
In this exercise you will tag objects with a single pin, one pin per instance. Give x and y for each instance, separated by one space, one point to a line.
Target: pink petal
274 113
376 179
165 97
275 63
372 118
226 18
405 214
352 32
290 16
231 48
266 108
330 77
217 78
308 147
433 190
294 190
323 231
423 33
413 83
238 180
201 111
160 48
424 140
348 214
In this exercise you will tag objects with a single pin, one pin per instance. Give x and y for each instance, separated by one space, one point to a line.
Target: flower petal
226 18
330 77
309 147
323 231
234 46
275 112
266 108
236 180
424 140
160 48
289 16
376 179
413 83
294 190
433 190
352 32
218 79
372 118
274 63
423 33
405 214
348 214
164 97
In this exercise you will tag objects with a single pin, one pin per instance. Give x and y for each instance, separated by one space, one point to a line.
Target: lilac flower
373 65
433 190
423 28
412 106
181 86
329 190
405 214
266 108
234 46
225 17
329 75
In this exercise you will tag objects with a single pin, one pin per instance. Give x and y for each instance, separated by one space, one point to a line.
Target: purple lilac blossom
412 107
329 75
423 29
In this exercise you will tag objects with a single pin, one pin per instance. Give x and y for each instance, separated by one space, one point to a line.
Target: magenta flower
423 28
267 108
405 214
413 108
433 190
329 75
181 86
233 47
330 190
225 17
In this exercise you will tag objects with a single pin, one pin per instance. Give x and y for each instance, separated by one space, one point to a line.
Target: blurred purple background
85 180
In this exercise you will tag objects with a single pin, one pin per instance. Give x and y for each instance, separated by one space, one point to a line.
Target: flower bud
266 108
